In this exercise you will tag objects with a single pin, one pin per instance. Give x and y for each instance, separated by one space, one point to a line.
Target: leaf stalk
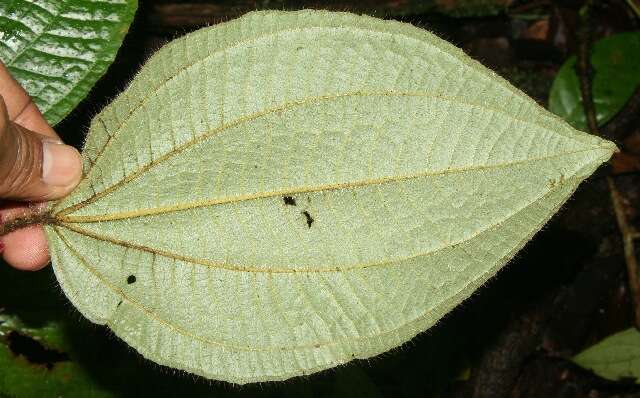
22 222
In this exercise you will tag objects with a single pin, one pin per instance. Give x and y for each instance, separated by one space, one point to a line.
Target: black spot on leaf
34 351
131 279
308 217
289 200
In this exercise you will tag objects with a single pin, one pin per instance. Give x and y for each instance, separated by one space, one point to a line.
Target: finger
20 107
32 119
25 249
34 167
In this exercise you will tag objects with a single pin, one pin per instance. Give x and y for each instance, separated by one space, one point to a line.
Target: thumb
34 167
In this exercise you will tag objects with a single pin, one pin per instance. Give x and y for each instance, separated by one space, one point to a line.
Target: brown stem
532 5
192 14
583 65
22 222
628 237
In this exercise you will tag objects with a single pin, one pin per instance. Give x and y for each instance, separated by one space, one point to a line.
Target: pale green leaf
58 49
286 192
615 358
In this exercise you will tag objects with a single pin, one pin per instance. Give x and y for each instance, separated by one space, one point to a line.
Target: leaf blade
58 50
615 358
307 216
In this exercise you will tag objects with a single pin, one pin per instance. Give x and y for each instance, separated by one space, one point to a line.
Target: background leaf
37 356
615 358
58 49
616 64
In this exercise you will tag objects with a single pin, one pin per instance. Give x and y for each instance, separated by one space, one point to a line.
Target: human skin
35 166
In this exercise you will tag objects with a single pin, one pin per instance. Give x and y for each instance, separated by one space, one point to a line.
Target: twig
532 5
585 73
192 14
629 234
583 65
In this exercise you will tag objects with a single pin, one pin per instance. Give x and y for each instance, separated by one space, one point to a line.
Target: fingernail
60 163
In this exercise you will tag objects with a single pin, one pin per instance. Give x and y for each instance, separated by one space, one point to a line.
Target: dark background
566 290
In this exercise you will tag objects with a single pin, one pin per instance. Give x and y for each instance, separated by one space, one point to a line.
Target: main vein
198 138
295 191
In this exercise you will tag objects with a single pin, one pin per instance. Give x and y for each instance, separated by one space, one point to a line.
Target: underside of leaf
286 192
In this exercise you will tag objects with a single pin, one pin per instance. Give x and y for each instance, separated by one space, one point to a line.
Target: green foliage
36 357
58 49
615 358
19 378
616 63
286 192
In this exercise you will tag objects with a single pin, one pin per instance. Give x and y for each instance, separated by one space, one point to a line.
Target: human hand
35 166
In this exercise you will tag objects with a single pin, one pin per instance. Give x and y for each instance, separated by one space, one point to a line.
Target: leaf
615 79
22 377
615 358
58 49
286 192
36 357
